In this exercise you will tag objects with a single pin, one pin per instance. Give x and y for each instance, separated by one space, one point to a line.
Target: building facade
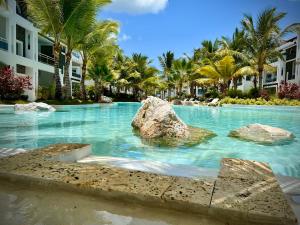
29 52
286 69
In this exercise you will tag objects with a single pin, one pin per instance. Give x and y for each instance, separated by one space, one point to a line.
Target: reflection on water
24 205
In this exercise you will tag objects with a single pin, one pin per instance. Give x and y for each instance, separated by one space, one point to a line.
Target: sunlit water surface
108 129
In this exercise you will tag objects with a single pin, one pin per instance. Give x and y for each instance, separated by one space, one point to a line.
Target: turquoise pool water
108 129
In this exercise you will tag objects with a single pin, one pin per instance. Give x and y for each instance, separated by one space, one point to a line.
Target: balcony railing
3 44
46 59
76 75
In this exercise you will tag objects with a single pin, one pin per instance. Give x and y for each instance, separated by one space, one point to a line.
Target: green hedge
260 101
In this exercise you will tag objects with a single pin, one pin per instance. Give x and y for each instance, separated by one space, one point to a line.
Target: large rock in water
34 106
157 124
263 134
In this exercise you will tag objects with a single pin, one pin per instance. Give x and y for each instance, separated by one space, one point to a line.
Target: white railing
46 59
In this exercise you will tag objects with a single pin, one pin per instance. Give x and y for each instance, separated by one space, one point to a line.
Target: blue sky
152 27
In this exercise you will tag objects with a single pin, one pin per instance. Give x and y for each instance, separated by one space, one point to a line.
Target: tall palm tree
181 70
80 15
48 16
97 36
262 39
166 61
224 70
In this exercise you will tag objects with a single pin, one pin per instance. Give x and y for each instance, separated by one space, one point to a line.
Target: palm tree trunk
260 73
255 82
82 86
235 84
56 53
67 86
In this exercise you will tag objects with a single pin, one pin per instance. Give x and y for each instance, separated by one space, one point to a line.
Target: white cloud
124 37
137 6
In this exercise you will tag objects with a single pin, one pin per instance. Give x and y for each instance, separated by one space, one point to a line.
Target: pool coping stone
243 191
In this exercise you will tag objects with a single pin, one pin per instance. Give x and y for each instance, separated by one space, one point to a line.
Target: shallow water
108 129
34 206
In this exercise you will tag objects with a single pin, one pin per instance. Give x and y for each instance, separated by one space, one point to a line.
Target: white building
287 70
29 52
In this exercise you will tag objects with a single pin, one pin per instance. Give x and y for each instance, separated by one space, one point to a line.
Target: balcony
46 59
3 44
76 75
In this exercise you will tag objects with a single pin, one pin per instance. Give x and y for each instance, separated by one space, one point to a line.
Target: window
291 70
270 77
248 78
21 69
291 53
19 48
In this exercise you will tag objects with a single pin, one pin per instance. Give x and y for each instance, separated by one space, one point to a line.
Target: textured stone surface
110 182
246 170
157 124
250 191
262 134
105 99
34 106
245 191
185 190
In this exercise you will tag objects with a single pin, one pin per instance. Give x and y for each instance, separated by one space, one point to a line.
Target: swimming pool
108 129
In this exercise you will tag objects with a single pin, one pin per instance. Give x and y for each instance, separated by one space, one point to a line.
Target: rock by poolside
263 134
105 99
34 106
157 124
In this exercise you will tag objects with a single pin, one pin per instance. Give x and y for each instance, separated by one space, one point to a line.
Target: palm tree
141 71
102 75
181 70
224 70
80 15
295 28
166 62
262 39
97 36
48 16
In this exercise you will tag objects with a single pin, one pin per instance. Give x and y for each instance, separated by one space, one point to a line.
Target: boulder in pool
34 106
263 134
157 124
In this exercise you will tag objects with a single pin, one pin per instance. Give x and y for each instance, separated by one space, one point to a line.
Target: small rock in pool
263 134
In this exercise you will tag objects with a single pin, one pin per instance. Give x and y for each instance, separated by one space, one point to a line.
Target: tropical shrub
235 93
253 93
260 101
12 87
212 93
264 94
289 90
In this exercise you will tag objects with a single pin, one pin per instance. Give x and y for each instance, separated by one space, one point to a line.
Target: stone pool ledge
244 192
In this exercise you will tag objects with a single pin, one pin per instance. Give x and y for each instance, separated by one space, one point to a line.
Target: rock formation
34 106
262 134
157 123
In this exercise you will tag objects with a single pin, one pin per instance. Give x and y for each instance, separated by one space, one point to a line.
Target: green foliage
212 93
232 93
253 93
260 101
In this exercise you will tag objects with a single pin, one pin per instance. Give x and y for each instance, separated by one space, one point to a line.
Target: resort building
287 69
29 52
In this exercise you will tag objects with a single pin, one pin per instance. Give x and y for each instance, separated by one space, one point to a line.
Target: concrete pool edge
54 165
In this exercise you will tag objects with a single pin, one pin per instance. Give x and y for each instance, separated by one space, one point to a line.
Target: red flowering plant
12 86
289 90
